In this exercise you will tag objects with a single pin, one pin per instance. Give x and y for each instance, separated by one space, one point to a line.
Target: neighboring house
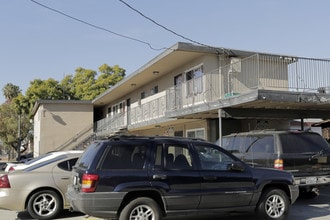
200 91
61 124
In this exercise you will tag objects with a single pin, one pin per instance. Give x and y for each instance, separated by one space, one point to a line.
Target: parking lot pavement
304 209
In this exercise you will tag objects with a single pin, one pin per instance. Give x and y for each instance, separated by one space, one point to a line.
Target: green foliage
10 120
10 91
83 85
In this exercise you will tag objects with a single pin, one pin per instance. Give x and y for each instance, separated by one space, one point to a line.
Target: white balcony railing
152 107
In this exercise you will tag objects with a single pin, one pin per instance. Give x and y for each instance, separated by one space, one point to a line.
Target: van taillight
89 182
4 181
278 164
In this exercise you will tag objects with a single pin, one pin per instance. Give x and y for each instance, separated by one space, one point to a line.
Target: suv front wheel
273 204
141 208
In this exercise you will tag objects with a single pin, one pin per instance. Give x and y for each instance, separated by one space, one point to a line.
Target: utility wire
96 26
162 26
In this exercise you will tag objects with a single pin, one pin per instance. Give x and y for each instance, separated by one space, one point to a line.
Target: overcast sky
51 41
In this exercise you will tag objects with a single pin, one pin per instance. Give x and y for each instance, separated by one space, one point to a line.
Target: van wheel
141 208
273 204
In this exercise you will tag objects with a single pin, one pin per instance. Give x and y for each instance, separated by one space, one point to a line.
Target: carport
270 104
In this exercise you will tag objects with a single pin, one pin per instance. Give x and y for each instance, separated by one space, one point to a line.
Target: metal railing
276 73
147 109
111 124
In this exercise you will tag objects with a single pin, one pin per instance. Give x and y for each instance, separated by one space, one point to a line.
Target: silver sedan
39 189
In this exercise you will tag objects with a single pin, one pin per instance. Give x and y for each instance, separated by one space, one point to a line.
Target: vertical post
19 138
302 124
220 126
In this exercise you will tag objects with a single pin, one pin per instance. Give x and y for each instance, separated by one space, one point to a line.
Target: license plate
311 180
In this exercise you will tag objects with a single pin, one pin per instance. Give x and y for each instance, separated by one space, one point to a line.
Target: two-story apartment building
201 91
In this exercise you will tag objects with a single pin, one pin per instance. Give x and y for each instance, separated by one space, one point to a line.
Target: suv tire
141 208
273 204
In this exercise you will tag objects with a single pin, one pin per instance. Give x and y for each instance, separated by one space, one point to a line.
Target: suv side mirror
237 166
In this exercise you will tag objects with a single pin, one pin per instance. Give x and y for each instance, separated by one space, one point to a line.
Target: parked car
39 188
305 154
12 166
152 177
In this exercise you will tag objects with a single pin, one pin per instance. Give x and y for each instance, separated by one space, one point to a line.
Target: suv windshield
303 143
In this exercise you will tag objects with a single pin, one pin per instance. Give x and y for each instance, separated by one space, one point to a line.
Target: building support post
220 126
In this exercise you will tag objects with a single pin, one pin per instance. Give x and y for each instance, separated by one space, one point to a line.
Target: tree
10 91
49 89
83 85
15 127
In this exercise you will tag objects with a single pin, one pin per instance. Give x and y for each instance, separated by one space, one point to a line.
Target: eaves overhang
171 59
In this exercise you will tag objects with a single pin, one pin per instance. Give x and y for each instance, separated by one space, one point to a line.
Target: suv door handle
159 176
209 177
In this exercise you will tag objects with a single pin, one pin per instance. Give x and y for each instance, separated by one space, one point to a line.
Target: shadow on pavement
304 209
65 214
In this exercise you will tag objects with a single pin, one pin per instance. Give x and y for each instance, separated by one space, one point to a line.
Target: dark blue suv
129 177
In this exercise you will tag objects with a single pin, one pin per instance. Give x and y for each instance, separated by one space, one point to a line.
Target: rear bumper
9 200
312 180
101 205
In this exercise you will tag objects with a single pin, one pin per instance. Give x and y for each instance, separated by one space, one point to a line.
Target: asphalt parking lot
313 209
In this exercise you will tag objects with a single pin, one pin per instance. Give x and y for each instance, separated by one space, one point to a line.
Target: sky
42 39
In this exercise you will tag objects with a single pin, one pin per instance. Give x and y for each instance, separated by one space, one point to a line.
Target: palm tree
10 91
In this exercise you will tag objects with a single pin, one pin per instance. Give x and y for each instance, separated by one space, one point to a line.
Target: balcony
237 76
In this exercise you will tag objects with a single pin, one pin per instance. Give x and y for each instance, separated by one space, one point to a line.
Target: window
173 157
196 133
194 80
261 144
302 143
213 158
125 156
68 164
143 95
117 108
154 90
235 144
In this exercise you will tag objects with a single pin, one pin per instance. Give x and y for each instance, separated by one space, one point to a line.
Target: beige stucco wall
209 62
61 125
170 130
